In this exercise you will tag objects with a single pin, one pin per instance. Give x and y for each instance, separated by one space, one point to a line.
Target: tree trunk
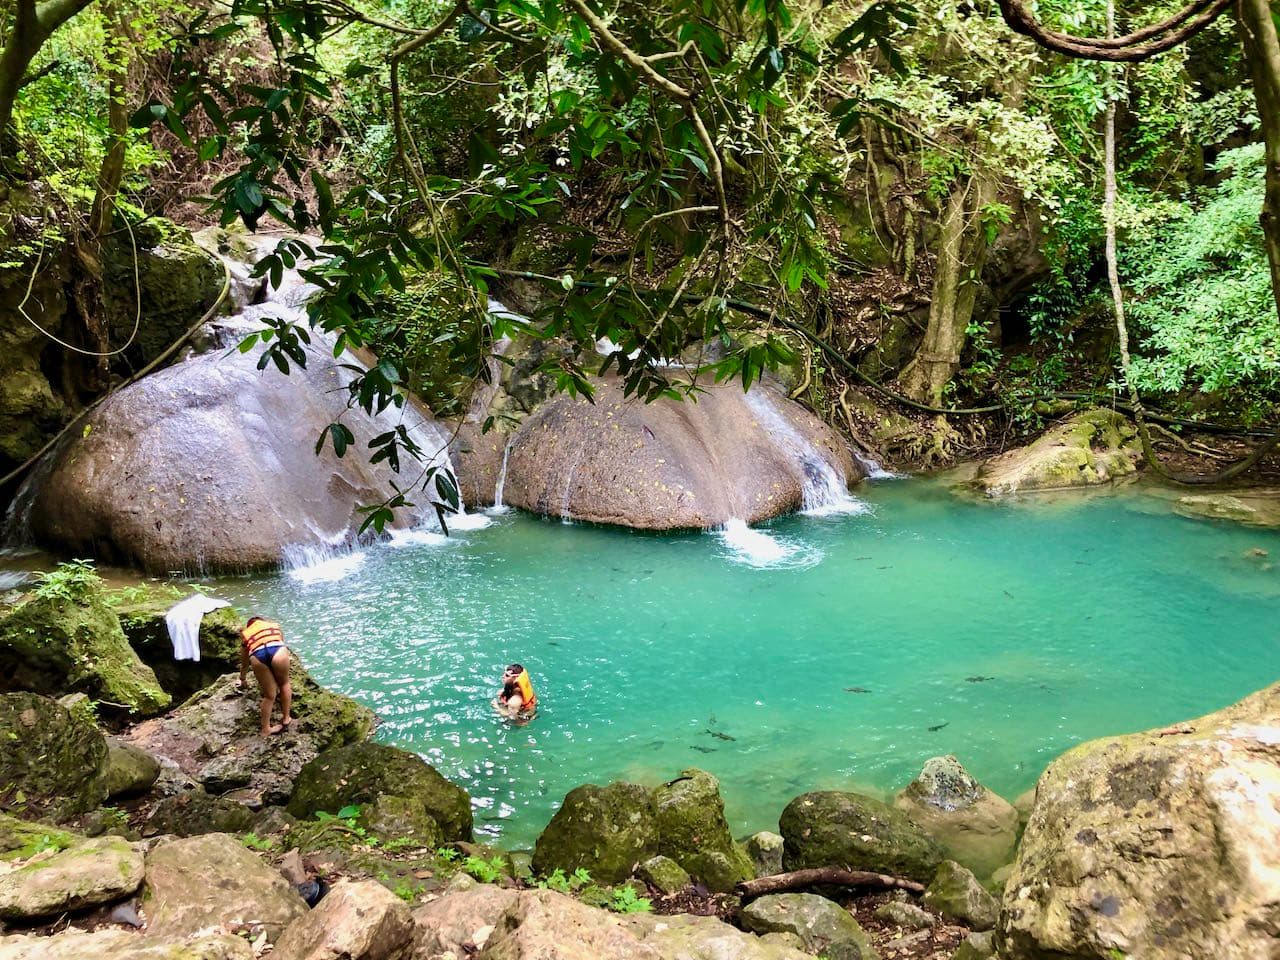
1262 49
962 252
111 171
33 24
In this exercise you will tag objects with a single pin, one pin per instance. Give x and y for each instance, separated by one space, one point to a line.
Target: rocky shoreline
145 817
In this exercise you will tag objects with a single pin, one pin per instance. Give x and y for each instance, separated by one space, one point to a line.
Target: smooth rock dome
211 465
672 464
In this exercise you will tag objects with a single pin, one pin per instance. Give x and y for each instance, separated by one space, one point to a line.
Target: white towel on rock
183 621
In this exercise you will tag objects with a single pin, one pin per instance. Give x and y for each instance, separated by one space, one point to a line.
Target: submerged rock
214 737
210 465
825 928
357 920
51 759
1158 845
86 874
1255 507
363 772
956 893
201 883
606 830
692 831
671 464
1093 447
835 829
972 825
71 641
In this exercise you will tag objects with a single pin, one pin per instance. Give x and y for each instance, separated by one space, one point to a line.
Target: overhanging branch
1139 45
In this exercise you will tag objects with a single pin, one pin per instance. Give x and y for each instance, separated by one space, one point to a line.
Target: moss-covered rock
835 829
1091 448
606 830
129 771
195 812
973 826
70 640
977 946
956 893
1256 507
86 874
765 850
692 831
144 625
51 760
825 928
362 772
402 818
20 839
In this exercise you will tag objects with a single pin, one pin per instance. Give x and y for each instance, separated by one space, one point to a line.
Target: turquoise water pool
818 652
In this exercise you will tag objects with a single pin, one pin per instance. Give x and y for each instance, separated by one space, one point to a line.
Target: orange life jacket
261 633
524 687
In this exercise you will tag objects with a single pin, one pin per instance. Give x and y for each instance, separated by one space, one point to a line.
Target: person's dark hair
252 620
516 668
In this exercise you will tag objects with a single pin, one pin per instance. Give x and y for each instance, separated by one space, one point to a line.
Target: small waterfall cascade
498 506
873 468
823 491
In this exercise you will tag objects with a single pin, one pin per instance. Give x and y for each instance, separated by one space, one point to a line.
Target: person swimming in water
517 701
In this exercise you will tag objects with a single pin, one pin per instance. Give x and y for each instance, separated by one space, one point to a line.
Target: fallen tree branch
824 877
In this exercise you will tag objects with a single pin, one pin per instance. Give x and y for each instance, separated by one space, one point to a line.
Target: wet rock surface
1158 845
214 738
670 464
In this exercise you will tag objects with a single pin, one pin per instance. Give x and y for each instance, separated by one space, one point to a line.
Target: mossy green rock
956 893
835 829
89 873
606 830
55 644
977 946
1160 845
20 839
363 772
825 928
1093 447
129 771
402 818
195 812
144 625
51 760
663 874
765 850
692 831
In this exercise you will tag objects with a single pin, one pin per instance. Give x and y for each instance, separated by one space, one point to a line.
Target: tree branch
1139 45
54 13
824 876
40 74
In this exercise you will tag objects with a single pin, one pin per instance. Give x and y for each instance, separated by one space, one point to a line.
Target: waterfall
321 563
498 506
823 490
873 468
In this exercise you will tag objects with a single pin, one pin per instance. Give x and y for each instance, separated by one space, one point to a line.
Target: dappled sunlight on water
830 651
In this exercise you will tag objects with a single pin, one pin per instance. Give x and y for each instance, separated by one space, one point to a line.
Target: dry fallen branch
824 877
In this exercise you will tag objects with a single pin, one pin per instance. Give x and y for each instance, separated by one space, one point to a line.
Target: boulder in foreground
1158 845
52 759
606 830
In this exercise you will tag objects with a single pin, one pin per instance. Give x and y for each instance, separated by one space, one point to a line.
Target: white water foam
417 537
467 521
823 492
761 550
307 563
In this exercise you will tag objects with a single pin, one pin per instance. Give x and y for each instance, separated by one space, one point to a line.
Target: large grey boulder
361 773
693 832
831 828
214 738
606 830
210 464
200 883
825 928
1091 448
1157 845
669 464
973 826
88 873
